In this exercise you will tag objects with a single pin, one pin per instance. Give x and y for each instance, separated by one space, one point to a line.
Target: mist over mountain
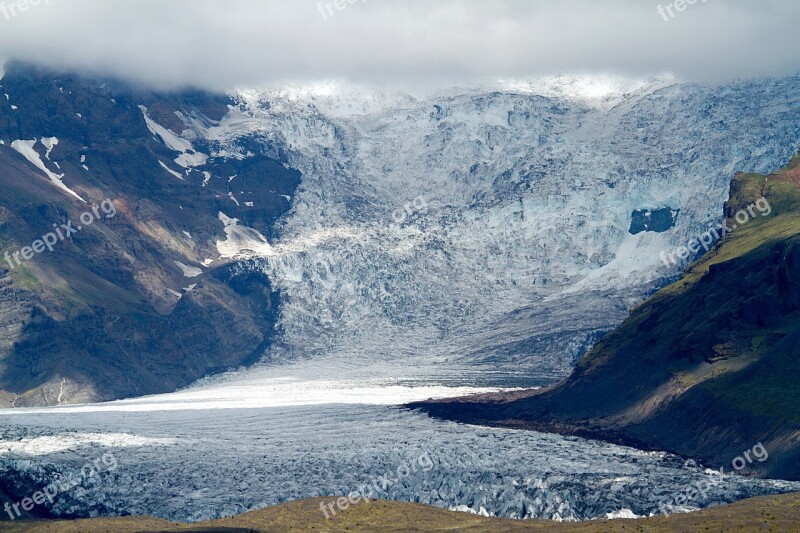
226 44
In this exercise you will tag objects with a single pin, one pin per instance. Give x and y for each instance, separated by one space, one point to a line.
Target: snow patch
175 293
189 271
241 241
189 160
26 149
165 167
49 143
189 156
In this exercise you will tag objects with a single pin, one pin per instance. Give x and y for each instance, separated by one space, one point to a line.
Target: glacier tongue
192 465
484 234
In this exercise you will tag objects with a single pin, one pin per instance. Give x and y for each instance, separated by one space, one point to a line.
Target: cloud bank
222 44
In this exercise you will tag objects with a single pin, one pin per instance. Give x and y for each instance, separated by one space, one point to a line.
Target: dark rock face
658 220
109 313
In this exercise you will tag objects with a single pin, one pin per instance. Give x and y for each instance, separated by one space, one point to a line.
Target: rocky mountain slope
706 367
138 300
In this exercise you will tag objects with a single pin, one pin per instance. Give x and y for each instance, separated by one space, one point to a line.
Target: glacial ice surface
483 233
180 463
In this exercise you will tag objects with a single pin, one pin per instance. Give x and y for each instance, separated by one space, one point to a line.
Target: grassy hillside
708 366
774 513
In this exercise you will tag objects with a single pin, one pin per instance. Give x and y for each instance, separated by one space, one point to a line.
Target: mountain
485 236
141 301
706 367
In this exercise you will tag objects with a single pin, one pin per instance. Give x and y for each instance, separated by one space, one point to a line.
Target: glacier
521 257
440 244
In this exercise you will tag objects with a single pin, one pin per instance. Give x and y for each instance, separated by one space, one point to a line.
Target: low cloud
222 44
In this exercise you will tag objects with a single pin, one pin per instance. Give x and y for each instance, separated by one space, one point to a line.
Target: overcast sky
223 44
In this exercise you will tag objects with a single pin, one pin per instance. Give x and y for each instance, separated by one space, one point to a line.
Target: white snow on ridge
165 167
26 149
172 141
189 156
467 509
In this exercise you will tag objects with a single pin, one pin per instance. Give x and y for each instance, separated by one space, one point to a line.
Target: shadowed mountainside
140 302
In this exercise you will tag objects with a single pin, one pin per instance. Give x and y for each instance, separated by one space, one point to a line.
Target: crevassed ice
521 255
